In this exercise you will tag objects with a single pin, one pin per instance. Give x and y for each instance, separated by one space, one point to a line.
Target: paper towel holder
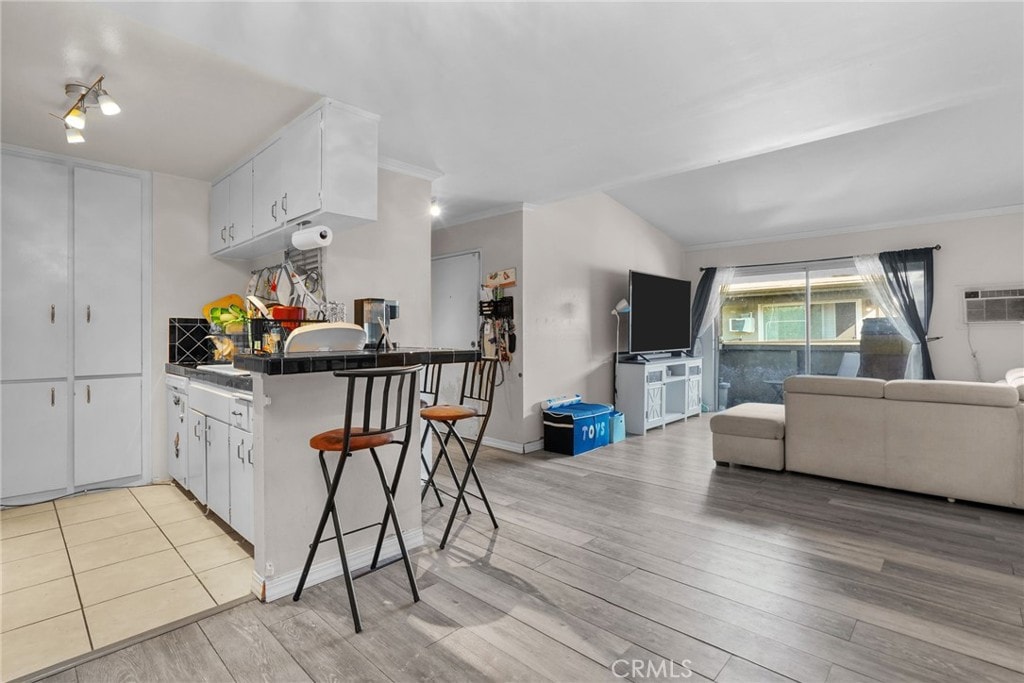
310 236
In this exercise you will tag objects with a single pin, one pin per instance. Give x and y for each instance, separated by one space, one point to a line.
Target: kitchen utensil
260 306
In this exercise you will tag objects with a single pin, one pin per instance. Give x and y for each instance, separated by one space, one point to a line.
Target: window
829 321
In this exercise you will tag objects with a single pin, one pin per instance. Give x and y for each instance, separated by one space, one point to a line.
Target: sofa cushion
755 420
966 393
864 387
1013 375
1017 383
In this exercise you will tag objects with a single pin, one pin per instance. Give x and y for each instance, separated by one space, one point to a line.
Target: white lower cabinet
218 473
177 435
220 469
35 438
108 429
241 467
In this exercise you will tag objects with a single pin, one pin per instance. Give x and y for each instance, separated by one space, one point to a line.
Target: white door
220 198
197 455
302 168
35 268
35 438
177 436
108 429
218 491
240 205
454 296
108 273
266 190
242 483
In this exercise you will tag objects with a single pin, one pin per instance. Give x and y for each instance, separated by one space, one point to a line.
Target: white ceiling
714 121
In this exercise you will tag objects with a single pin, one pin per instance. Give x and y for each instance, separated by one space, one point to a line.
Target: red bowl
288 313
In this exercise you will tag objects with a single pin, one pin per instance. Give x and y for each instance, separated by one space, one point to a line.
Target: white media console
655 392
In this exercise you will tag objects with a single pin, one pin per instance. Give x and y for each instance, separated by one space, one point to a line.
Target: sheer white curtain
869 267
723 278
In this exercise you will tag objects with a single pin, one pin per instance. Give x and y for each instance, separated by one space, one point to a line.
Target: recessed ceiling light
435 208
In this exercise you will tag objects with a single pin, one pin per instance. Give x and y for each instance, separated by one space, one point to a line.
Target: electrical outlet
269 570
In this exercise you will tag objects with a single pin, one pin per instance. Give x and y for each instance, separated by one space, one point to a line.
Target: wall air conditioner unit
741 324
993 304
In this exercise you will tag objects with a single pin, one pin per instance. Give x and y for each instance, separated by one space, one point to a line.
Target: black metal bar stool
475 401
389 422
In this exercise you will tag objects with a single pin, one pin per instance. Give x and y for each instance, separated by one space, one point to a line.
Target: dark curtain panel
903 269
700 304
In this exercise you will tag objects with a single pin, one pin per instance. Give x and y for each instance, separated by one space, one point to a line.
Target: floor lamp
620 308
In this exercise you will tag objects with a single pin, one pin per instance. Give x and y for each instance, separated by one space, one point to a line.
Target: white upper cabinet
35 268
108 273
302 179
321 168
266 189
219 206
240 204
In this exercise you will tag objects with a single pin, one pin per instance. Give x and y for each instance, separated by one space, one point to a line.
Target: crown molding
421 172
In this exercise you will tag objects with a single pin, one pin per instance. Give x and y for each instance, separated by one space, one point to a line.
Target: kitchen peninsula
294 397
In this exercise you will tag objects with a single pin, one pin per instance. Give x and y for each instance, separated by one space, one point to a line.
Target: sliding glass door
817 318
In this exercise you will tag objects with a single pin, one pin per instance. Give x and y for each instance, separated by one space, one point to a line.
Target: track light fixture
86 97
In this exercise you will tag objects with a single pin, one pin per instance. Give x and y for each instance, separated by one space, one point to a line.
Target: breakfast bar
294 397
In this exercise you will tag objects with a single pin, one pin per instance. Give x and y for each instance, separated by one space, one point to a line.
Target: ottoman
750 434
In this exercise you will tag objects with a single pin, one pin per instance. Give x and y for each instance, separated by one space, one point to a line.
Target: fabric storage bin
577 428
616 427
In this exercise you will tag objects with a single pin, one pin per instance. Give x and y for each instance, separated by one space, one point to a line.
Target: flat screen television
659 313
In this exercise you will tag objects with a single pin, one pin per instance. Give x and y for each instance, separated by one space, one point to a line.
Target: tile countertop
189 370
333 361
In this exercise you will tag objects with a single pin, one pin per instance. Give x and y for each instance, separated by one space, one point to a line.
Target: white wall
577 255
185 277
500 242
975 251
389 258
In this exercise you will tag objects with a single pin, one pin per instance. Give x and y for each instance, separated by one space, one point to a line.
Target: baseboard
279 586
514 446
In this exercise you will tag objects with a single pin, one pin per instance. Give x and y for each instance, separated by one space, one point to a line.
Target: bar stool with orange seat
388 422
475 401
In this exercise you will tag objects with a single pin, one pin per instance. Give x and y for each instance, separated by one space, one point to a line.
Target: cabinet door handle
238 451
231 232
273 210
250 455
88 313
284 203
207 431
195 429
223 237
53 313
176 400
53 397
88 393
236 413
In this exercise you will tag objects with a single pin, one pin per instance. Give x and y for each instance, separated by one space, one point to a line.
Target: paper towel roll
312 238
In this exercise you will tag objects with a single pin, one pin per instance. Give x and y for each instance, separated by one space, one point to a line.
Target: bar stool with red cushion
389 422
475 401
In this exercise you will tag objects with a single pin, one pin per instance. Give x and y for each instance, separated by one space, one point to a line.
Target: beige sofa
961 440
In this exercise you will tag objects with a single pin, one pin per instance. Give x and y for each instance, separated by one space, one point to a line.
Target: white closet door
35 438
108 429
34 288
108 273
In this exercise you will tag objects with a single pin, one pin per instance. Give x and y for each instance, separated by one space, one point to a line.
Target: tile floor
84 572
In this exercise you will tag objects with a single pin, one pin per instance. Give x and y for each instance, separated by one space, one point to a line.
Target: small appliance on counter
375 316
326 337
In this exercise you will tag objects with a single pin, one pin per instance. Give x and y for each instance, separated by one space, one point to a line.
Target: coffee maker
375 316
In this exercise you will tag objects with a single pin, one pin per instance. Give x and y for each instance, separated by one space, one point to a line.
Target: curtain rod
937 247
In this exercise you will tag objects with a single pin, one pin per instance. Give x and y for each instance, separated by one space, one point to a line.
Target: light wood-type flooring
645 560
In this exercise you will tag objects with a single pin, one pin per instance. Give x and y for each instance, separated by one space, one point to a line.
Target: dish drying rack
303 271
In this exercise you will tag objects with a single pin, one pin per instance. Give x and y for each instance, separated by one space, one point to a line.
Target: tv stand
656 392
